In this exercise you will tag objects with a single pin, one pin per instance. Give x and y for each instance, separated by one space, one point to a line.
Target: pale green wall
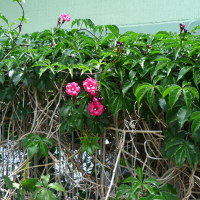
137 15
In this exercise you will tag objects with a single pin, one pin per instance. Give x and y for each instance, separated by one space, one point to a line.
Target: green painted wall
148 16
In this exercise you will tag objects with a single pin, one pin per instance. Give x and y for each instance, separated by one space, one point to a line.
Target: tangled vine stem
145 145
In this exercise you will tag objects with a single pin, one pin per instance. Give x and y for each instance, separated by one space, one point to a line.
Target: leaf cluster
159 71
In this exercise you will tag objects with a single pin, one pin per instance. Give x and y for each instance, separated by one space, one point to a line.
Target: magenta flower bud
94 99
119 43
182 26
148 46
185 30
92 94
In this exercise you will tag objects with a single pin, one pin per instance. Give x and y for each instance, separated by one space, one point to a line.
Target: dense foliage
162 77
155 75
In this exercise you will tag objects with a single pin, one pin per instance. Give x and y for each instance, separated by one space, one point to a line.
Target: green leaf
140 174
163 104
195 115
157 68
183 71
126 87
151 96
42 70
8 183
43 148
114 29
181 150
4 18
170 89
116 104
132 75
195 125
2 78
131 180
121 190
195 28
183 115
196 76
33 149
149 188
193 90
17 78
29 184
45 179
152 181
162 59
141 91
174 96
188 98
90 144
46 194
133 190
56 186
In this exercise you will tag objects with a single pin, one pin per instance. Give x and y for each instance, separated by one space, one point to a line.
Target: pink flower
92 94
65 17
95 108
94 99
90 85
72 89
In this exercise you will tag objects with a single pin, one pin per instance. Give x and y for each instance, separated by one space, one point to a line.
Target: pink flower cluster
90 85
65 17
62 19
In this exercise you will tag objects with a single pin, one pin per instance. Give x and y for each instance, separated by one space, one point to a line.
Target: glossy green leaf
56 186
183 115
33 149
188 98
8 182
195 125
141 91
45 179
46 194
149 189
2 78
183 71
116 104
114 29
126 87
131 180
4 18
90 144
132 75
195 115
193 90
140 174
151 96
43 148
170 89
174 96
29 184
121 190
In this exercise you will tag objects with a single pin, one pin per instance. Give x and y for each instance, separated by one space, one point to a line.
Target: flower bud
182 27
148 46
185 30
